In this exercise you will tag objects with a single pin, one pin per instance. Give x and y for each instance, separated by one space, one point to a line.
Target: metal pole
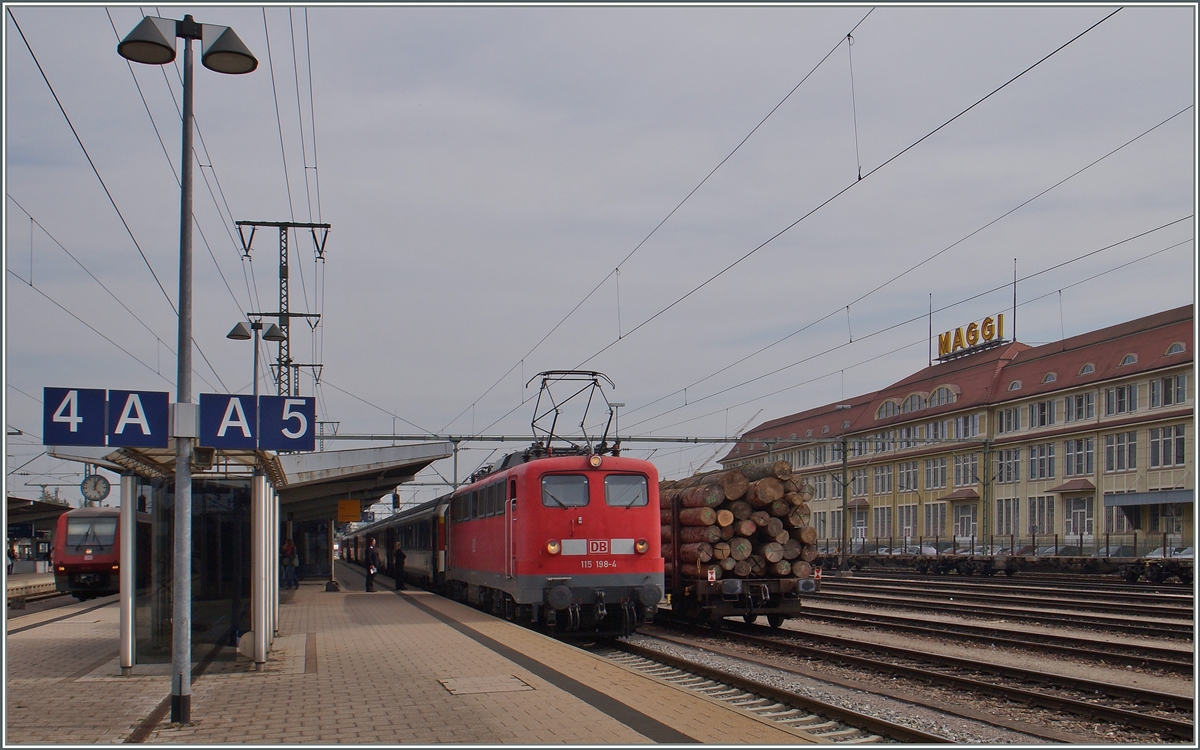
181 630
128 581
845 507
258 544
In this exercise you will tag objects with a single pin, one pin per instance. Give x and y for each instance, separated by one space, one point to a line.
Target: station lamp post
152 42
845 566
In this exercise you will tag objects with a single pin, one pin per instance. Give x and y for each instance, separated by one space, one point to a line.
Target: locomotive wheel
749 619
775 620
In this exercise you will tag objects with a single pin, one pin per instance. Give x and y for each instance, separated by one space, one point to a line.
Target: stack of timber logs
751 522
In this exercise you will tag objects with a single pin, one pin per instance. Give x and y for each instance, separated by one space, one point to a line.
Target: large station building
1086 441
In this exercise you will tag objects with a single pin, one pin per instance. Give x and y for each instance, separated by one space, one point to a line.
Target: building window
1041 515
1168 391
1077 516
835 523
887 409
967 426
883 521
858 483
820 454
820 485
1041 414
935 519
937 431
1120 452
1049 377
1176 348
1080 457
1167 518
913 403
906 518
1041 461
1081 406
935 473
1166 446
821 524
883 441
883 480
835 452
1015 385
1129 359
1008 465
808 432
906 481
1120 400
1087 369
908 437
966 470
966 520
1116 522
1008 516
1008 420
940 396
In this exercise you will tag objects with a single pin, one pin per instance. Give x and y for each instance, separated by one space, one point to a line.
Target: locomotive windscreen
564 490
98 532
625 491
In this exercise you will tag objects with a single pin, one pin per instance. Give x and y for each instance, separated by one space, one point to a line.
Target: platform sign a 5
138 419
73 416
287 423
227 421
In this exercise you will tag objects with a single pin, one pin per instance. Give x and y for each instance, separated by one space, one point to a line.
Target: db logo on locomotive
598 547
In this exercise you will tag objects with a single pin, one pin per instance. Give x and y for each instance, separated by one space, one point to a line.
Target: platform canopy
20 510
1157 497
309 484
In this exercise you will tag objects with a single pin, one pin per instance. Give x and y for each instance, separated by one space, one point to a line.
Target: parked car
1171 552
914 549
1115 550
1061 551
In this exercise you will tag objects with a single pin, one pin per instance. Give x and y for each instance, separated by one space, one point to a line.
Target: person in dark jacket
398 566
372 562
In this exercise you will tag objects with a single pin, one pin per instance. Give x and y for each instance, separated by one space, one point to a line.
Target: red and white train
87 551
568 543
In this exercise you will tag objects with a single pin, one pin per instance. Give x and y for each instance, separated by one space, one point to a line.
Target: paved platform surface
359 668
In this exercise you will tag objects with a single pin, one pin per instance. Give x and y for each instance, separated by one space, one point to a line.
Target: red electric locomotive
87 553
564 538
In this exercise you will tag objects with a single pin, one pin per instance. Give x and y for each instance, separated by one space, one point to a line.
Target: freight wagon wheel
775 620
749 619
717 624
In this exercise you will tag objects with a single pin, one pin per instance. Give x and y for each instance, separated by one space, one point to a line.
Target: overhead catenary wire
843 191
664 220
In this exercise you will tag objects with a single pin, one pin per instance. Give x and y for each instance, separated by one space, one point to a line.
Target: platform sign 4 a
228 421
138 419
73 416
98 417
287 423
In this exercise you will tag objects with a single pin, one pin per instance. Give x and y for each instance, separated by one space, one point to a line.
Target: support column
258 586
127 578
276 544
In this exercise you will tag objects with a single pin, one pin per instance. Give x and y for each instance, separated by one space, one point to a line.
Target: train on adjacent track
564 541
87 551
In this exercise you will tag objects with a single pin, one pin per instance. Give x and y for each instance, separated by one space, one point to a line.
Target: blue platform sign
138 419
227 421
287 423
73 416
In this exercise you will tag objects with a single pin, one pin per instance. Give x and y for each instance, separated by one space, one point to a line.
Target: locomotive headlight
642 546
553 547
116 567
62 568
595 460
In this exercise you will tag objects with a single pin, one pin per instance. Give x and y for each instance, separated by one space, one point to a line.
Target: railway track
818 721
1136 655
1151 710
1179 630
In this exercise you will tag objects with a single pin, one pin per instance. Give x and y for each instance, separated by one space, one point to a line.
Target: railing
1133 544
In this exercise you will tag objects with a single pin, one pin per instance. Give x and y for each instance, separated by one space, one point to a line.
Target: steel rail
855 719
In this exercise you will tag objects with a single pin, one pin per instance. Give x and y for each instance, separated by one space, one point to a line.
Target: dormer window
1129 359
887 409
1050 377
913 403
1176 348
808 433
825 429
941 395
1087 369
1015 385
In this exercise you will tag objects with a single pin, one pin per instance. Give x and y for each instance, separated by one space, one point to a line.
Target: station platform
354 667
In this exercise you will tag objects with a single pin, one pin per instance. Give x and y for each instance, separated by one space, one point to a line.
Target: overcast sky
485 170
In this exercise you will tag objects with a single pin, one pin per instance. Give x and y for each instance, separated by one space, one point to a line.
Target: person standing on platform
12 557
398 566
372 563
288 560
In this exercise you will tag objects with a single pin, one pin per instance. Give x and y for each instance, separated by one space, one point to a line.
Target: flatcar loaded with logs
738 542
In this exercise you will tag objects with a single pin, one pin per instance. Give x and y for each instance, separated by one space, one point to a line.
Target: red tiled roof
1075 485
966 493
983 378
